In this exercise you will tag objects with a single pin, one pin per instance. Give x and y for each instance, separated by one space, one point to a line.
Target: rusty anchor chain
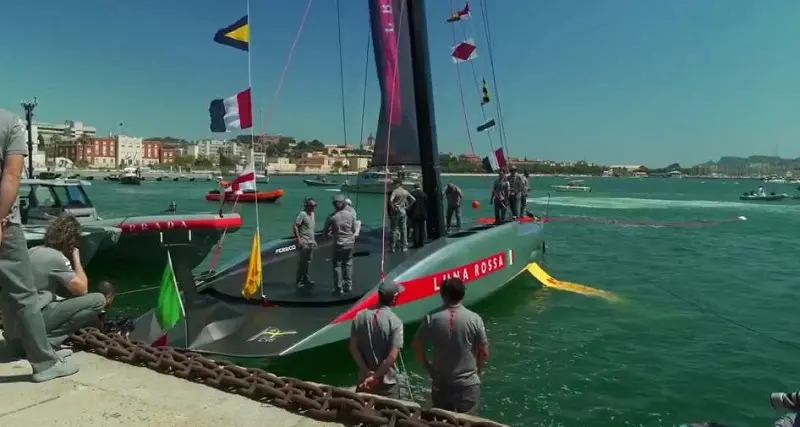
320 402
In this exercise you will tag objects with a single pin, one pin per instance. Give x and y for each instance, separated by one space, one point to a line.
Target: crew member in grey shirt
399 201
524 199
18 294
500 193
349 207
304 225
376 338
516 183
341 226
57 268
460 350
454 196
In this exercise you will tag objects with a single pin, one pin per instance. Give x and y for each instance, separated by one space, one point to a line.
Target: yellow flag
253 280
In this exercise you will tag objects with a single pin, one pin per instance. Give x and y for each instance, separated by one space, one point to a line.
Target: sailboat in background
223 321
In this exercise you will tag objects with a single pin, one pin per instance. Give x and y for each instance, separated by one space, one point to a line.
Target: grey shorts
464 400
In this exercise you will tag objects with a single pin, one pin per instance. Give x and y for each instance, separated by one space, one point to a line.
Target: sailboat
219 320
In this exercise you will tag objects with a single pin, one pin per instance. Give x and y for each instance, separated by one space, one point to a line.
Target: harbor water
706 328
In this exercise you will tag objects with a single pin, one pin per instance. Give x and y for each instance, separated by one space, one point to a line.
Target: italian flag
169 309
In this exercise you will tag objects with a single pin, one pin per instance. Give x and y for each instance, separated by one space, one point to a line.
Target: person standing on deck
500 193
460 350
304 225
516 183
19 300
523 206
418 212
376 338
454 196
349 206
399 201
341 226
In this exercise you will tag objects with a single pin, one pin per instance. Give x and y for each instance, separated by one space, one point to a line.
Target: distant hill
739 163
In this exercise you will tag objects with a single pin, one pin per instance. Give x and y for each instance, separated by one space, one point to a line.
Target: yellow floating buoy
551 282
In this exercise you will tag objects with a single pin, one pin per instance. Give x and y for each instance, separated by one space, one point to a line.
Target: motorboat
375 182
281 321
573 186
140 242
321 181
131 176
755 197
270 196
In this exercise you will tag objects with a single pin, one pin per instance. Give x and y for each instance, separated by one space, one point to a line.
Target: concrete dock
108 393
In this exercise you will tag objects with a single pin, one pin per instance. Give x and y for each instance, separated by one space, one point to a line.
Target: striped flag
233 113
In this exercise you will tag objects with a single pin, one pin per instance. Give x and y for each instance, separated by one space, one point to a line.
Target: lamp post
29 107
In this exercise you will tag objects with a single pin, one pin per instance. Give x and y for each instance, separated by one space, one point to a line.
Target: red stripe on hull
229 222
428 286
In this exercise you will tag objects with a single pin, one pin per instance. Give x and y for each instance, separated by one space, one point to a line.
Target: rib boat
219 320
140 244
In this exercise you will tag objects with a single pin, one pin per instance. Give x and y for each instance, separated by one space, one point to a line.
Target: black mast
426 122
29 107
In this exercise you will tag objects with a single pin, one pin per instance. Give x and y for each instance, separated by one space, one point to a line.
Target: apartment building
129 151
151 153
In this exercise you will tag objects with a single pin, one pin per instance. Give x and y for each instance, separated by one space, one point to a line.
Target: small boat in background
245 197
131 176
573 186
320 181
771 197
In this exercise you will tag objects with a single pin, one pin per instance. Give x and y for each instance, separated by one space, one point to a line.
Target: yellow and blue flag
236 35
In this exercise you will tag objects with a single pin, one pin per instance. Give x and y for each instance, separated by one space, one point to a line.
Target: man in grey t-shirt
501 191
18 296
341 226
303 229
54 273
376 338
454 196
399 201
460 350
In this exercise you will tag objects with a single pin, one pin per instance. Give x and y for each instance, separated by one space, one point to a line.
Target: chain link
320 402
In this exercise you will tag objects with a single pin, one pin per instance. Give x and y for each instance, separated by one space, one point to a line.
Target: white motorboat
575 186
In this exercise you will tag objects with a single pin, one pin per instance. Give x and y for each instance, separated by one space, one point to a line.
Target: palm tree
51 150
83 141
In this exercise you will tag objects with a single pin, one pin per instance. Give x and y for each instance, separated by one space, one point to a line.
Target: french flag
246 181
234 113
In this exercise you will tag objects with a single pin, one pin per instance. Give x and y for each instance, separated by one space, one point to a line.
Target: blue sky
614 81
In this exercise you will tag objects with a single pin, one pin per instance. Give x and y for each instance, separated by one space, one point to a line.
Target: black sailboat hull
220 321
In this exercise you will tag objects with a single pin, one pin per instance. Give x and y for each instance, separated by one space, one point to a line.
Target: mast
426 122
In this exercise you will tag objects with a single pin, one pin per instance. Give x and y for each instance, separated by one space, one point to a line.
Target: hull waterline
220 321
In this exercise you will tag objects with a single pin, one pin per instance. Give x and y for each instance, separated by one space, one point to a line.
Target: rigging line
341 67
218 251
287 64
389 137
705 309
364 100
488 33
479 87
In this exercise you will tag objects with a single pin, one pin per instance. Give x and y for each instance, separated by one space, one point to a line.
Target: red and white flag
232 113
465 51
245 181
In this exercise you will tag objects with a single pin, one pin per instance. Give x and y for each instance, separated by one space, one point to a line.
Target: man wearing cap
349 206
341 226
454 196
304 225
460 350
500 196
399 201
376 338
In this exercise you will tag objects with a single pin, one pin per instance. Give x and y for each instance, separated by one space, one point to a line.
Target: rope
364 102
341 67
407 377
286 65
389 140
500 118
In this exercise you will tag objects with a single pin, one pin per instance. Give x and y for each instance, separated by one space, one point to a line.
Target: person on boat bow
517 184
399 201
454 197
341 226
376 338
524 198
304 226
19 300
761 192
418 212
460 349
500 194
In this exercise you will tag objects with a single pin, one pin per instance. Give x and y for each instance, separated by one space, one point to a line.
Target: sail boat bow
486 257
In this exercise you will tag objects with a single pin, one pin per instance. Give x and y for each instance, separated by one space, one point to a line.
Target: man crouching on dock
376 338
57 268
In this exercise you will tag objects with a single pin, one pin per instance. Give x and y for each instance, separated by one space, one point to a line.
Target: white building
69 130
208 148
129 151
